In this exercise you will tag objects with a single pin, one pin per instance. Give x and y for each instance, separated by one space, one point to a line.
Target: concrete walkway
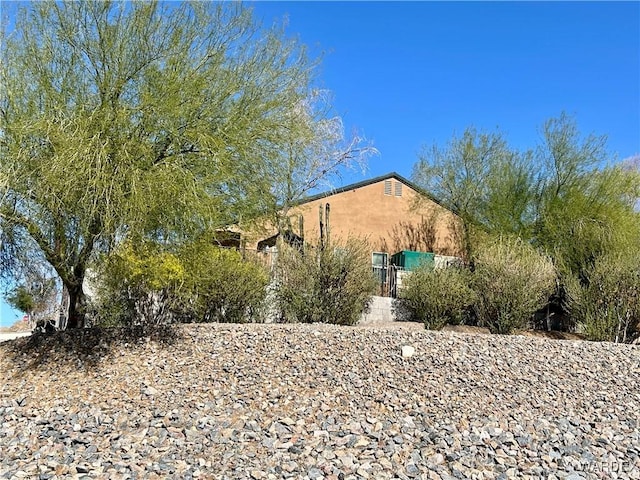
10 336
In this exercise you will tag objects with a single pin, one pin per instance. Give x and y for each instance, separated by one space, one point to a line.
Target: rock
274 401
412 470
315 473
574 476
150 391
408 351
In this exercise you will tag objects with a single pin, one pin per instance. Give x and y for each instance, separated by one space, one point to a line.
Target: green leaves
565 198
326 285
21 299
512 281
481 179
125 120
562 196
607 305
436 297
144 282
585 206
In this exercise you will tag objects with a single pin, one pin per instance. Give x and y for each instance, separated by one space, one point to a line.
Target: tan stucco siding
388 222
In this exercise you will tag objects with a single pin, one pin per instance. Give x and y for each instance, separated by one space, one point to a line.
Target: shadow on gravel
84 348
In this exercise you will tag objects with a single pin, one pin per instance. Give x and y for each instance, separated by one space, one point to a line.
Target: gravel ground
316 401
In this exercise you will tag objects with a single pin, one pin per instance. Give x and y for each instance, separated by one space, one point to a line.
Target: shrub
606 305
137 285
222 286
331 285
197 283
435 297
512 281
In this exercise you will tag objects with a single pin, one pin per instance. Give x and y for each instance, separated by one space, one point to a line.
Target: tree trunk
468 246
75 313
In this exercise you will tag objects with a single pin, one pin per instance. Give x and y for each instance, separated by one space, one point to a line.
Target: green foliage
585 207
122 119
198 283
330 285
21 299
137 284
509 283
221 285
607 304
480 178
563 197
512 281
147 266
436 297
36 294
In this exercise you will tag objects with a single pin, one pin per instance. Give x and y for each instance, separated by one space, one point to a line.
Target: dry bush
435 297
606 305
330 285
512 280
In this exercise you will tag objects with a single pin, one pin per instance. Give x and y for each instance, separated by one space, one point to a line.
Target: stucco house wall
383 212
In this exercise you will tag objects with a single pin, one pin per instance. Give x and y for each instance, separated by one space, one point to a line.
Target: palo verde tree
563 197
125 119
566 198
481 179
585 203
314 158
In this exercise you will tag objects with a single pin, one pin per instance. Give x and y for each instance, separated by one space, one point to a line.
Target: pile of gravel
316 401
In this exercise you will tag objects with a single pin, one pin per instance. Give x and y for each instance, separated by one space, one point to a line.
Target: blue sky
409 74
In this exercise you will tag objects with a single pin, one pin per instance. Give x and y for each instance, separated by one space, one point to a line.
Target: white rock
150 391
408 351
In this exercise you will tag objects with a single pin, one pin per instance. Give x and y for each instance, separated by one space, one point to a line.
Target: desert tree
36 293
315 158
479 178
124 119
565 196
584 205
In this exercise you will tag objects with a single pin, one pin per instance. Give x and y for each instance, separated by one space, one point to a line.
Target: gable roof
371 181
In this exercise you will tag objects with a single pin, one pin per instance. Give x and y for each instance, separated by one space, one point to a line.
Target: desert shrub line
333 284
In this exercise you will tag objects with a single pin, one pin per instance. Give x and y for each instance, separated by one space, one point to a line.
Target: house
389 212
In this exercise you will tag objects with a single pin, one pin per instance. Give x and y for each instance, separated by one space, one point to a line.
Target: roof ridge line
371 181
